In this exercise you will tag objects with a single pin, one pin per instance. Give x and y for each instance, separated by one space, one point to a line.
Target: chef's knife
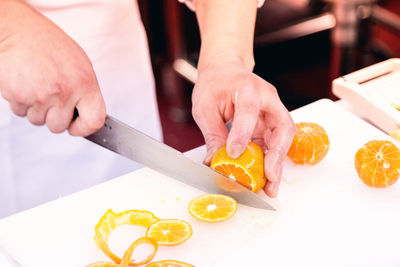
133 144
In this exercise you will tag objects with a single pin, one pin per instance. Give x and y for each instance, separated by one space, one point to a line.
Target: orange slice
169 232
247 170
378 163
212 207
169 263
310 144
111 220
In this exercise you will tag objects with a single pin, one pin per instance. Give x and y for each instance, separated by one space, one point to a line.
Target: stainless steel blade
135 145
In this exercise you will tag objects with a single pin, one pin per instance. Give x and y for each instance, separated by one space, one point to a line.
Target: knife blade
135 145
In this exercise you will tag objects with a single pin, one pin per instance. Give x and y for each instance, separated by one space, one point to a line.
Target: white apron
37 166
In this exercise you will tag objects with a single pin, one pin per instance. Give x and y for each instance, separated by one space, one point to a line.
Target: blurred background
300 47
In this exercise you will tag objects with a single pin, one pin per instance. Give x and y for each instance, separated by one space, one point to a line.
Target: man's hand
44 74
227 89
229 92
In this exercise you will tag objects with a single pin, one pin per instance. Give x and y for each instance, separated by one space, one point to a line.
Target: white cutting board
326 216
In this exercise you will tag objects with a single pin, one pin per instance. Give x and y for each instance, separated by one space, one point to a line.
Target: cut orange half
169 232
169 263
378 163
212 207
247 170
111 220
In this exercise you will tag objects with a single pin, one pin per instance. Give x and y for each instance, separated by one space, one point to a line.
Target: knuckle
292 128
6 94
95 123
61 91
212 139
41 98
249 107
196 112
86 77
20 97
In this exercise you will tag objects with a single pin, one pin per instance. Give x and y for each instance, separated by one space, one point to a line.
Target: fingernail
235 150
207 159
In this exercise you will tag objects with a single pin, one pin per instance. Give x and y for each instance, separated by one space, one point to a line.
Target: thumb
214 131
92 114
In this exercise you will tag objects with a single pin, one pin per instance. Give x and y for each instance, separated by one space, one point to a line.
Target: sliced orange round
310 144
213 207
378 163
247 170
111 220
169 263
169 232
103 264
126 260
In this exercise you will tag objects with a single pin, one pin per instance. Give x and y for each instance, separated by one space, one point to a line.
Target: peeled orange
247 170
378 163
310 144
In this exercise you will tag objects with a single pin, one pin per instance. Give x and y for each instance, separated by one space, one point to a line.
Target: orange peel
110 221
126 260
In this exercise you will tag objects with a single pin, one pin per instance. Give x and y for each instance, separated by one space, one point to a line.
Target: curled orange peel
110 221
126 260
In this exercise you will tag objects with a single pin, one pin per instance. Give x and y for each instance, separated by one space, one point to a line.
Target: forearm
227 31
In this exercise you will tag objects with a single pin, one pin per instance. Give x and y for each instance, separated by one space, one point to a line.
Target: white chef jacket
36 165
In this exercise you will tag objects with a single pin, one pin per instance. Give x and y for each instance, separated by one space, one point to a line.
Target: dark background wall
300 68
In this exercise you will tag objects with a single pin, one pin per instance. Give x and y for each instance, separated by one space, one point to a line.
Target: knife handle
76 114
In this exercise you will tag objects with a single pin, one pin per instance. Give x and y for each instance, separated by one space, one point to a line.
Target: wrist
213 56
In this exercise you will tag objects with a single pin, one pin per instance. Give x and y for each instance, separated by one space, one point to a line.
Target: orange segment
126 260
169 263
213 207
111 220
169 232
378 163
310 144
247 170
103 264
